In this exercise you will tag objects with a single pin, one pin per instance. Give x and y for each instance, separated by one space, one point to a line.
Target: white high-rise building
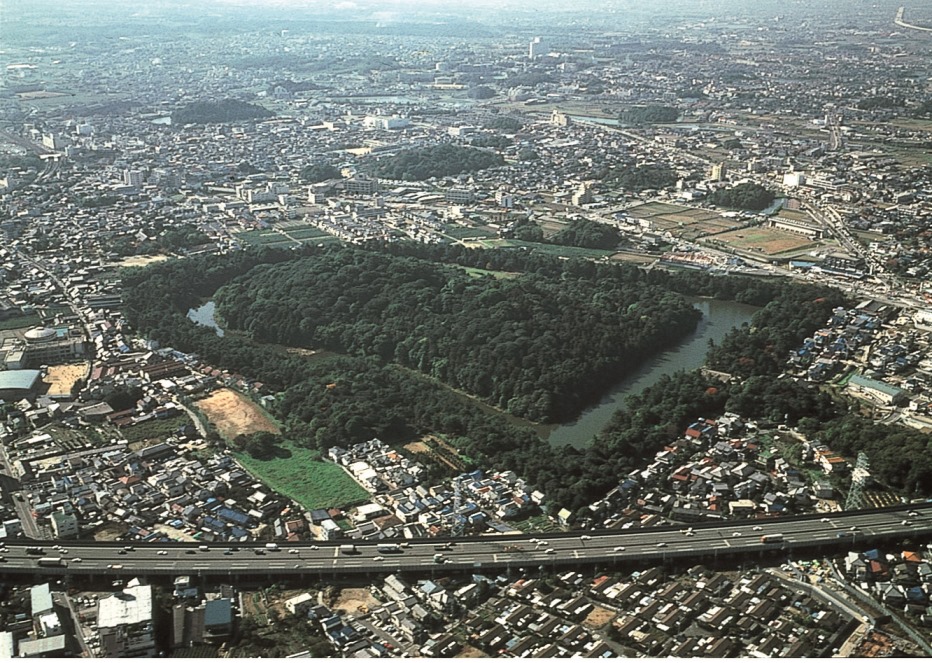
537 48
132 178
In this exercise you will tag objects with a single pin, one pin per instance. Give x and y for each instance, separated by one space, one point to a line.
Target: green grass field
305 478
461 232
307 232
20 322
263 237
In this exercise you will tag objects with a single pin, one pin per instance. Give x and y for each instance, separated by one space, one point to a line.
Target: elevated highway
900 21
739 540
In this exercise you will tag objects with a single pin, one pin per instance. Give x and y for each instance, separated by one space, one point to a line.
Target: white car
662 545
162 552
619 548
736 533
584 537
757 528
551 551
293 551
379 558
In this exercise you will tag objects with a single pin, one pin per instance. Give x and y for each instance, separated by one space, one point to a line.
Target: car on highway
162 552
292 551
736 533
76 560
619 548
584 537
662 544
551 551
826 520
378 558
757 528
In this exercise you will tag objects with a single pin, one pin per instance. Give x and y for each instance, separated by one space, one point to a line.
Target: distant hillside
213 112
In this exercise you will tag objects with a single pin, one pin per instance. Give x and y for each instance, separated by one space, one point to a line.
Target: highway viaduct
733 542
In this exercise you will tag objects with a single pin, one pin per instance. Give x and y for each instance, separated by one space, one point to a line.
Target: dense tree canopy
539 347
638 178
227 110
652 114
436 161
749 196
319 172
588 234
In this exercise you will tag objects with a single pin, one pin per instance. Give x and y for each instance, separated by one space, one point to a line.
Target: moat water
718 318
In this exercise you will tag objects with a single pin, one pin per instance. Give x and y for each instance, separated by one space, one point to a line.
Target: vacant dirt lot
599 617
417 448
355 601
62 378
141 261
233 414
471 652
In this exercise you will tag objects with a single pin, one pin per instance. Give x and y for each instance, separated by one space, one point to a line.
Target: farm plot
769 241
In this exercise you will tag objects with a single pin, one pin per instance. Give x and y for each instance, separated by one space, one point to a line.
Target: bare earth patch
417 448
355 601
141 261
599 617
62 378
109 532
233 414
471 652
173 533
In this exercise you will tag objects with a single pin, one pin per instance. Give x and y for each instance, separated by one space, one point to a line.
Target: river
718 318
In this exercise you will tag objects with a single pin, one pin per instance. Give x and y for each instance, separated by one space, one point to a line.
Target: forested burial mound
540 347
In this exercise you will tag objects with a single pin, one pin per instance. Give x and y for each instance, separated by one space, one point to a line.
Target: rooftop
132 605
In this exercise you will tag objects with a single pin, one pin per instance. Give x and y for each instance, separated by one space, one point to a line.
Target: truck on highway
51 561
34 550
388 548
271 546
772 538
348 549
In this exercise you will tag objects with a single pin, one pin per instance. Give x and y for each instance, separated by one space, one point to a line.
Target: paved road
652 545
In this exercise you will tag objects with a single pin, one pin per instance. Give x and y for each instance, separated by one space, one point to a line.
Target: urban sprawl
107 435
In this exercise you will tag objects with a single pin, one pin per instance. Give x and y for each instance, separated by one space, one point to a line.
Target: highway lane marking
336 553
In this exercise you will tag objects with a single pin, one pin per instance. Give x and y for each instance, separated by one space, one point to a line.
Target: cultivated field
683 222
233 414
768 241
